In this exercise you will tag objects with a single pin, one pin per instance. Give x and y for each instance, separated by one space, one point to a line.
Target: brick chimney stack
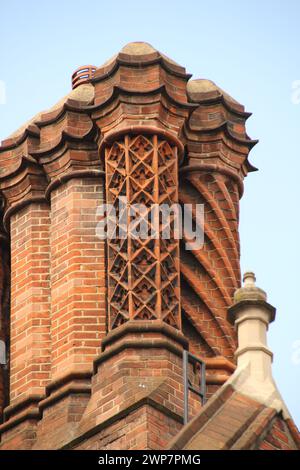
98 327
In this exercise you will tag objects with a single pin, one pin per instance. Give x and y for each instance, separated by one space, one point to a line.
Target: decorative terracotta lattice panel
143 272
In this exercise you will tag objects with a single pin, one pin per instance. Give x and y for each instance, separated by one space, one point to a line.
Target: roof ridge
217 412
261 422
240 428
199 421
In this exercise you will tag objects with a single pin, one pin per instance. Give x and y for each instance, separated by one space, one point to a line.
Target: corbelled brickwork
96 328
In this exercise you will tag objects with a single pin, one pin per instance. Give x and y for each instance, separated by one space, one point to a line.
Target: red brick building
95 329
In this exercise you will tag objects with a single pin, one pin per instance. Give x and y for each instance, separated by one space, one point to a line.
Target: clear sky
248 47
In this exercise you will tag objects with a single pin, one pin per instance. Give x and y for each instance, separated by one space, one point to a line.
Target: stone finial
251 315
249 291
249 279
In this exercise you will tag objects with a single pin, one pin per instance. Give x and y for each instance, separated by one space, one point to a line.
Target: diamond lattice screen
143 266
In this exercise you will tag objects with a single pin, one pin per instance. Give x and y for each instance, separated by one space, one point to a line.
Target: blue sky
249 48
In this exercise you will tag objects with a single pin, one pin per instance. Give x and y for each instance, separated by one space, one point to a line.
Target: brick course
78 301
30 347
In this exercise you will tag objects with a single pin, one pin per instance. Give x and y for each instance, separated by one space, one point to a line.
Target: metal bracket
188 357
3 359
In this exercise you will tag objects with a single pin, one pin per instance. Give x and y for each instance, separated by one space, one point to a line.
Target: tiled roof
233 421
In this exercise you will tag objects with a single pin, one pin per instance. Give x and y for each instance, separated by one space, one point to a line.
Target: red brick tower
96 328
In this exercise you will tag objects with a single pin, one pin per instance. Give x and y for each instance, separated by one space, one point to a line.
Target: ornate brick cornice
154 107
137 55
58 146
141 86
215 132
28 136
23 184
138 87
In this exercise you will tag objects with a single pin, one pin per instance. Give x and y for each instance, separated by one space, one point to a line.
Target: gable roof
231 420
